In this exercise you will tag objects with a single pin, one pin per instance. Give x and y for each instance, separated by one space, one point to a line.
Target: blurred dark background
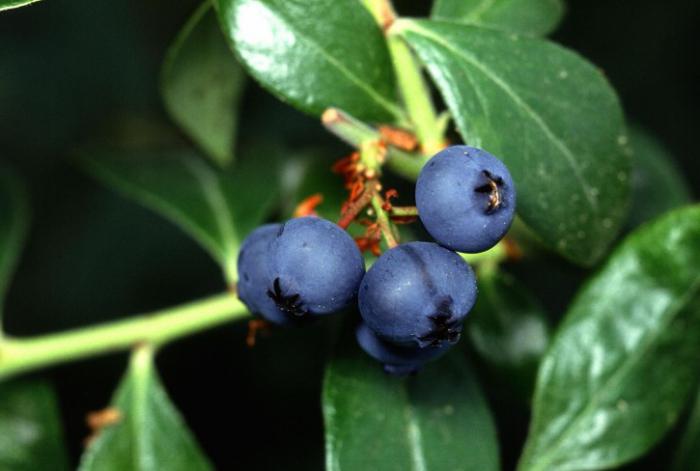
70 69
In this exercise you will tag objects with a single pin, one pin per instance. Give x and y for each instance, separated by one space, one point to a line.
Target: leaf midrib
537 119
412 432
478 12
140 385
213 194
622 372
366 88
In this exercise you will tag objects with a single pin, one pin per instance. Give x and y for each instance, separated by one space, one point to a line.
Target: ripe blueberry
253 277
397 360
465 198
314 267
417 295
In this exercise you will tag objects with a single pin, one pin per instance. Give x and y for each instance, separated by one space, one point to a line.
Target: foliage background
72 70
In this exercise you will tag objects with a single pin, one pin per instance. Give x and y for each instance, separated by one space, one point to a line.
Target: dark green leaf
550 116
10 4
508 328
657 186
625 359
216 208
14 220
311 174
30 430
535 17
314 54
688 453
436 420
202 84
150 434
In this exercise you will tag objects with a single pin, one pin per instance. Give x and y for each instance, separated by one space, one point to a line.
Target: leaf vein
522 104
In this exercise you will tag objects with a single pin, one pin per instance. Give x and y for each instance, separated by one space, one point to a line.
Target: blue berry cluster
415 298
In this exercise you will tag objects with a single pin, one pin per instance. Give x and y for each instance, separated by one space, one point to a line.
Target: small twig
354 208
403 211
384 222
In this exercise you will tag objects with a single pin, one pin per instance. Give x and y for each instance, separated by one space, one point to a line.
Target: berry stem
489 260
404 211
358 205
385 225
18 355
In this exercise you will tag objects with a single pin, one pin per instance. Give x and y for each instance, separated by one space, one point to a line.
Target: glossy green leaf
435 420
314 54
30 428
149 435
14 219
551 116
625 358
657 185
217 208
508 328
10 4
202 83
534 17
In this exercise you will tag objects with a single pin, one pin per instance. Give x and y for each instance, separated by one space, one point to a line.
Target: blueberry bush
401 214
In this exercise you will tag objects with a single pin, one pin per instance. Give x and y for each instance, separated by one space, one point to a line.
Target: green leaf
30 428
312 174
150 434
315 54
13 226
657 185
534 17
10 4
508 328
435 420
201 84
625 359
217 208
551 117
688 453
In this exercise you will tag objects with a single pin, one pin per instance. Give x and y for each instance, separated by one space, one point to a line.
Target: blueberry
397 360
253 276
465 198
314 267
417 295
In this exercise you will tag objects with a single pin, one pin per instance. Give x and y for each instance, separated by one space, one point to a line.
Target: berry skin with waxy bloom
417 295
314 267
253 279
396 360
465 199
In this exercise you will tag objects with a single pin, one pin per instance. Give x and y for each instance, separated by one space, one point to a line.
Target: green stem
358 134
416 96
19 355
384 223
405 164
488 261
414 90
349 129
404 211
382 11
